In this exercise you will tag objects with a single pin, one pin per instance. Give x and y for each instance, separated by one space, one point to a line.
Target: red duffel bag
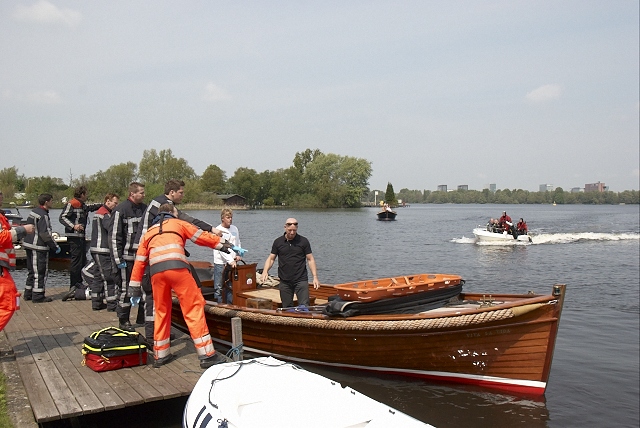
112 348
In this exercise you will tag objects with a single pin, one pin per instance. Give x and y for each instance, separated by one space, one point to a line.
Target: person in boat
74 217
8 290
293 252
387 208
37 246
162 249
503 222
99 272
492 226
522 227
125 220
222 259
173 193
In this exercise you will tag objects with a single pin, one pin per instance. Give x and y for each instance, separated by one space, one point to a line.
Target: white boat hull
266 392
483 235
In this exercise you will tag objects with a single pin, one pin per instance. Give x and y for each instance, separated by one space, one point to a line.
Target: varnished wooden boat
500 341
384 288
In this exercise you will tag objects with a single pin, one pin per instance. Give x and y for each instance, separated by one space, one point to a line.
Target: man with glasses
293 252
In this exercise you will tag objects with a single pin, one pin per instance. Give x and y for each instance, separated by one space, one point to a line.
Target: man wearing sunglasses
293 252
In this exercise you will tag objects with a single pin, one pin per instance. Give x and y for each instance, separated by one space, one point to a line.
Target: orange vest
162 247
7 253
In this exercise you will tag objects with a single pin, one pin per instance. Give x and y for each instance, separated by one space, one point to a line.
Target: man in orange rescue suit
8 290
162 248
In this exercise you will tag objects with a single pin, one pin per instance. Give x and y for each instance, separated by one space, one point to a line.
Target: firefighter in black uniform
99 273
37 246
74 218
125 218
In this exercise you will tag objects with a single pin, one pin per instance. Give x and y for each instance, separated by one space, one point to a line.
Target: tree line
314 180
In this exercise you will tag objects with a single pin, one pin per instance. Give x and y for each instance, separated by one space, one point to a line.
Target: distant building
546 187
233 200
577 189
491 187
442 188
463 187
595 187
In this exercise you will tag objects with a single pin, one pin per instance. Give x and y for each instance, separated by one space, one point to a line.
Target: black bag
113 348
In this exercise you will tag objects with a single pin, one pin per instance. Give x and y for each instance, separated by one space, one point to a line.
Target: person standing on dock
293 252
99 272
162 249
74 217
37 247
8 291
173 194
125 219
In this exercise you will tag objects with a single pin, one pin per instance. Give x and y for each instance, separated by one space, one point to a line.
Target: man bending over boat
162 248
294 252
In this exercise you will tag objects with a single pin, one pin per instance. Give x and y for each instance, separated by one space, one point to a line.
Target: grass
5 421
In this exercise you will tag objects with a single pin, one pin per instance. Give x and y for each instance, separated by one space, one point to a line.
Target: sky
516 93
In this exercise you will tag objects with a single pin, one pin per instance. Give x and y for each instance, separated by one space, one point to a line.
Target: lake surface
595 250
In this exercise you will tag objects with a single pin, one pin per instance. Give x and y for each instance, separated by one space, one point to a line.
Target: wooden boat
498 341
384 288
266 392
387 215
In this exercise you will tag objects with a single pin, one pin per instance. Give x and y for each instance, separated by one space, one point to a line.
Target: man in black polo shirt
293 252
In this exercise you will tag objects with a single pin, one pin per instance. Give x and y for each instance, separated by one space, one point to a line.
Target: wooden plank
63 398
84 394
42 403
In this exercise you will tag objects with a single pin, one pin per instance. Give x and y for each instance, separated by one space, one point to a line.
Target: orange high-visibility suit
8 290
162 248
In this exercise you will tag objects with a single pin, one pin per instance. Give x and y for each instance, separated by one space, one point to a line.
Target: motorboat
387 215
267 392
484 235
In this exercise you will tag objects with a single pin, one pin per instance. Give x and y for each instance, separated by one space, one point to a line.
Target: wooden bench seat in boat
273 294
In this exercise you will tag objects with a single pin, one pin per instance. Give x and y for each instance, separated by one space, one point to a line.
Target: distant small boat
266 392
387 215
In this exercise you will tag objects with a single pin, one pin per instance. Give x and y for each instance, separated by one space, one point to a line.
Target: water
595 250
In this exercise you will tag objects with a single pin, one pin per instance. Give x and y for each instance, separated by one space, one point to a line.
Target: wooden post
236 336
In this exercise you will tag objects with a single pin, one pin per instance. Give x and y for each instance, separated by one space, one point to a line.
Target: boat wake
567 238
555 238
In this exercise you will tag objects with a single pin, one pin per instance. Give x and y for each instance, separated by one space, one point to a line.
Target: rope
415 324
235 351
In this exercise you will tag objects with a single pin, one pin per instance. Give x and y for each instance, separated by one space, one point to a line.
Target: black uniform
76 212
125 219
37 246
99 273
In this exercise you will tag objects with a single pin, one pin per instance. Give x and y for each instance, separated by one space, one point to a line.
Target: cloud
213 93
544 93
47 13
46 97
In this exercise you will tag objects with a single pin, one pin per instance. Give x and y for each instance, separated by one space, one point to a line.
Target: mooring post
236 337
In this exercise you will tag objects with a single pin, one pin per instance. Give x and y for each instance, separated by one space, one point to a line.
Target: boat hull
387 215
504 346
483 235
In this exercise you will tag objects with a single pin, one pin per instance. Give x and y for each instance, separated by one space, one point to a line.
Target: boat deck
46 342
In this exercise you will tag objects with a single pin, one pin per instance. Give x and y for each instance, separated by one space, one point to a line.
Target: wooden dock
46 340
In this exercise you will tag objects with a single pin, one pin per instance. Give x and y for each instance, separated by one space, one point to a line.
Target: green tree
115 179
160 167
390 196
244 183
213 179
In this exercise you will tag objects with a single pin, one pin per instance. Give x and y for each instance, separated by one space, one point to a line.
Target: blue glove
122 265
135 301
58 249
239 251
